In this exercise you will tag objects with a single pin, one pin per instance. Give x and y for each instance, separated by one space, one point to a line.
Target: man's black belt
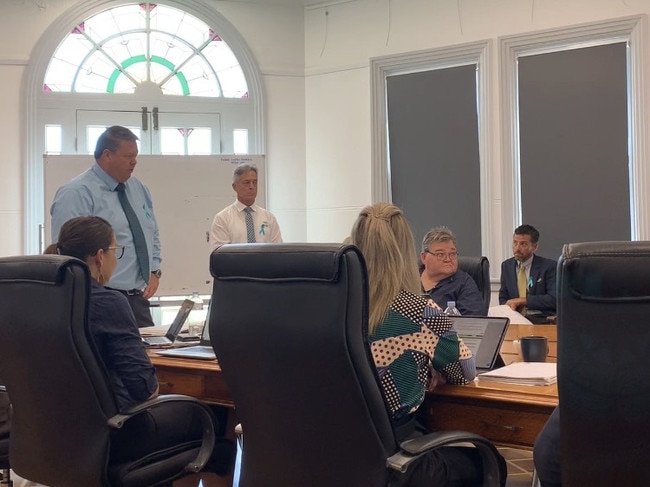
129 292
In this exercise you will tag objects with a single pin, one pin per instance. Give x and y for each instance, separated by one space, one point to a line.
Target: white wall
23 23
317 88
338 47
338 152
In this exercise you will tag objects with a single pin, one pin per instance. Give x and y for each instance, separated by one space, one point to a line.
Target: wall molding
477 53
633 31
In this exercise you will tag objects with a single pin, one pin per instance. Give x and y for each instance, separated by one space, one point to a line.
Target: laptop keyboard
157 340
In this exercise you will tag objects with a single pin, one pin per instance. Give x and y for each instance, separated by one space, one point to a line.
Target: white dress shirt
229 225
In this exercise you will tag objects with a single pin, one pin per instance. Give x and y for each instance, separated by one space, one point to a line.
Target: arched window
176 72
124 49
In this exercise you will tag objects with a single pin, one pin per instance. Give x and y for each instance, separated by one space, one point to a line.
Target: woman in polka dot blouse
414 345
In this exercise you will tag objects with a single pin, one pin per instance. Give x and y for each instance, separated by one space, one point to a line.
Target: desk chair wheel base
5 478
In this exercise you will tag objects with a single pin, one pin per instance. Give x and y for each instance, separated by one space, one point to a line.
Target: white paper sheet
523 373
505 311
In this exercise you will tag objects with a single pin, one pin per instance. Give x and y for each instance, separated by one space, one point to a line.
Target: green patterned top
411 336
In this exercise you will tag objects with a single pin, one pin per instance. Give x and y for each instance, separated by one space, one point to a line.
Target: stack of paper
505 311
523 373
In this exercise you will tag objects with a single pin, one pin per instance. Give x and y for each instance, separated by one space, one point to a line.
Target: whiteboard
187 192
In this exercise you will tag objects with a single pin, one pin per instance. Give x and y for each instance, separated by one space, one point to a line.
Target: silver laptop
201 351
173 330
484 336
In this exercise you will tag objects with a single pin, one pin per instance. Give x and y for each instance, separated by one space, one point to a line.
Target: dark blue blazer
541 284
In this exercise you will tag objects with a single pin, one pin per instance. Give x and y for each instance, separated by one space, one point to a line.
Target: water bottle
198 301
196 319
451 309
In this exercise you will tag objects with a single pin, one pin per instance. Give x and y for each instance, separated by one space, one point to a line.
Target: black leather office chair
63 406
603 349
5 479
289 326
479 269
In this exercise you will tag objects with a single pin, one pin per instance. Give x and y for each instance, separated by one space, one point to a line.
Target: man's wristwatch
157 273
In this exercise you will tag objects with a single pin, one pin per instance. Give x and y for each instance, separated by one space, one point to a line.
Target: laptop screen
205 334
179 320
483 335
202 351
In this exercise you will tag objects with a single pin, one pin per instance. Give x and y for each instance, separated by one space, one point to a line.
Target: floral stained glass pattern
145 47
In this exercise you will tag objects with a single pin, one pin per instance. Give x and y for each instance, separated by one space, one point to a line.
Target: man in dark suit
528 280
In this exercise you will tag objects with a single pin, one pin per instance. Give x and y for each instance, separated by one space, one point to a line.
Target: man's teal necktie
136 230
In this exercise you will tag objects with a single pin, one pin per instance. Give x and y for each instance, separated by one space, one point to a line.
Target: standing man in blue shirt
527 279
442 280
97 192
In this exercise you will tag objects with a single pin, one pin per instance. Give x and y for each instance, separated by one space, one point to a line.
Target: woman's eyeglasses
119 250
441 256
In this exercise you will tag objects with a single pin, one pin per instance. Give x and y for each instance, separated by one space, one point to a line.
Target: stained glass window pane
240 141
118 50
166 46
186 141
233 83
94 131
64 64
53 142
172 141
199 142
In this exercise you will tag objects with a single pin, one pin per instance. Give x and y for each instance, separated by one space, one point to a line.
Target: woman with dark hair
113 327
111 321
413 345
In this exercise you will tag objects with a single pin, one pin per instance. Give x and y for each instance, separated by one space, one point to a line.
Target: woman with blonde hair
413 344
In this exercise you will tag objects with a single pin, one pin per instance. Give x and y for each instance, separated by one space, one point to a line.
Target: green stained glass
120 49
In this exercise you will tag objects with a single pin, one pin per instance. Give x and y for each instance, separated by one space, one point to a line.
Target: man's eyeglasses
119 250
442 255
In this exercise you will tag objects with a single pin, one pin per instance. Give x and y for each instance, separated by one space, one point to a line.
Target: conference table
507 414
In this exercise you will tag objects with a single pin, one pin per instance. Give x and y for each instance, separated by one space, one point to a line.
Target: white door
171 133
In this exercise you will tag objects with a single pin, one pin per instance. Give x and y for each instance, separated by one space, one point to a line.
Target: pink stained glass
214 36
143 6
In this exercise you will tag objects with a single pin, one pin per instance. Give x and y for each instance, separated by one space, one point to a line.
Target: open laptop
484 336
201 351
173 330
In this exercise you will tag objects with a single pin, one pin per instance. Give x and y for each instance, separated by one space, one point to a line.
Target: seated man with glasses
442 280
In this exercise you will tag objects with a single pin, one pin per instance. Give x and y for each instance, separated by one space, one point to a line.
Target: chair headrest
42 268
606 271
471 260
278 261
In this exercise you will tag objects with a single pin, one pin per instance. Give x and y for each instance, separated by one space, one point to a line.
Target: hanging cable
390 18
460 18
325 36
532 11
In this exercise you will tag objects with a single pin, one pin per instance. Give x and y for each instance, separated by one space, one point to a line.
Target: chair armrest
414 448
205 415
239 433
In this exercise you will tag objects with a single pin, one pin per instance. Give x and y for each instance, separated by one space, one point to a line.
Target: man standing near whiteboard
108 190
244 221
